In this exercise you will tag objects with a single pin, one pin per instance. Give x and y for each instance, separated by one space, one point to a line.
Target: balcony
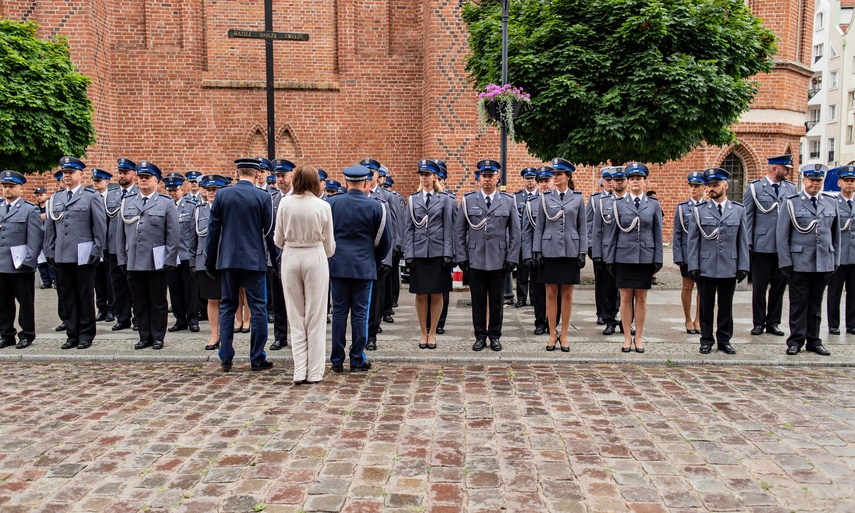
810 124
812 92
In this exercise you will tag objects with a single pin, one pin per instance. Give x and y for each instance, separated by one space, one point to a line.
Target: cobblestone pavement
427 437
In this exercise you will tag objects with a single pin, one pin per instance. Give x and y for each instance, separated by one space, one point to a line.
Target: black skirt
684 270
209 288
559 271
634 276
429 277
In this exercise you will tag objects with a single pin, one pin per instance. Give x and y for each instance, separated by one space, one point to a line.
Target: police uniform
271 183
560 238
148 243
60 306
593 207
45 270
280 311
845 274
209 286
487 244
762 200
21 240
808 251
122 300
717 256
322 176
183 287
103 287
529 223
442 173
362 240
523 272
601 236
683 217
75 240
193 177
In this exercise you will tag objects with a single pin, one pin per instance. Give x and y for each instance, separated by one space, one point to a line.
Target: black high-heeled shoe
551 347
211 347
563 348
637 349
627 349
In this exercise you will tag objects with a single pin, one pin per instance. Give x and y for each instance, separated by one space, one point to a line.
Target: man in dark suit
240 236
363 237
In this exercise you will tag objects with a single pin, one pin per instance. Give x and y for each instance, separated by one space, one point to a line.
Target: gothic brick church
379 78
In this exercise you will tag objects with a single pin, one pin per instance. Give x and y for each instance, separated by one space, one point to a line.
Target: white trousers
305 282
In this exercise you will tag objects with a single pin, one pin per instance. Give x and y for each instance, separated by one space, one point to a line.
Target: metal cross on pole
269 36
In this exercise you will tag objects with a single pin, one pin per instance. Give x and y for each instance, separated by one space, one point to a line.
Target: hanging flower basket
501 105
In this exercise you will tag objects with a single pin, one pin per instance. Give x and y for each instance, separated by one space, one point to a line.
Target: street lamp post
504 128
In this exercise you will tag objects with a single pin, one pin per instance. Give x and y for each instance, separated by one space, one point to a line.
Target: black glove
741 275
787 271
464 266
695 276
409 263
93 260
538 260
684 269
657 266
383 271
447 262
611 269
836 267
581 261
398 254
750 249
509 267
527 263
168 268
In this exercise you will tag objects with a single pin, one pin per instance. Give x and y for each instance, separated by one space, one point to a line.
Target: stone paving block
324 503
239 504
224 475
329 486
363 506
66 470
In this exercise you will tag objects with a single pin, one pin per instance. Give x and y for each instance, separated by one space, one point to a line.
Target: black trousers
60 308
396 280
709 288
280 312
599 298
46 274
374 308
487 286
611 296
149 292
20 288
103 287
121 292
844 276
386 297
806 291
766 273
184 294
538 300
523 273
76 287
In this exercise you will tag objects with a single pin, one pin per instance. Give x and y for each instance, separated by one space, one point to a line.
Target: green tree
623 80
44 110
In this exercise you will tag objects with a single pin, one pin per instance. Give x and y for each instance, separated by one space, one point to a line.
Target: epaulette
785 181
683 203
793 196
577 192
163 195
508 195
28 203
89 190
519 191
755 181
829 194
737 204
654 198
191 199
470 193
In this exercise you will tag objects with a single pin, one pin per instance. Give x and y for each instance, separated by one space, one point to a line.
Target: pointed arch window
734 164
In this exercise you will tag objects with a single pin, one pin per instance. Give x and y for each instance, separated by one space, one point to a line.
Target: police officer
762 200
45 271
283 169
193 181
103 287
271 183
845 274
680 238
442 174
126 173
322 176
148 243
487 245
717 258
390 301
521 198
21 240
183 287
362 240
592 207
60 307
395 208
331 188
74 243
808 251
529 223
602 236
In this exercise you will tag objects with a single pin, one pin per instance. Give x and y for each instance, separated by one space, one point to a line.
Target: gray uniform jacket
185 208
562 229
602 226
761 214
276 198
392 221
200 235
487 238
642 244
683 217
22 226
430 232
113 203
847 230
718 245
69 223
403 221
818 249
593 207
529 223
389 226
145 228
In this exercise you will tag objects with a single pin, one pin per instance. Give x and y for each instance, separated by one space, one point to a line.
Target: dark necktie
70 194
530 196
488 202
637 203
813 200
427 201
8 207
561 196
124 193
849 202
144 200
775 186
719 209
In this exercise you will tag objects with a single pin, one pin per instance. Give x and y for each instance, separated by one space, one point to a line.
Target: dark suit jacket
359 242
240 229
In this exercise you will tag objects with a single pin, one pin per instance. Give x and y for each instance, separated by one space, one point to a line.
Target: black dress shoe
211 347
194 328
69 344
102 316
440 331
23 344
84 345
365 367
177 327
706 349
539 330
479 345
520 304
270 319
61 327
278 344
158 345
226 365
110 318
6 343
495 345
394 305
727 349
834 331
792 350
121 326
135 327
338 368
142 344
610 329
388 318
775 330
600 321
850 331
508 302
820 350
757 330
371 345
263 366
619 325
379 329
